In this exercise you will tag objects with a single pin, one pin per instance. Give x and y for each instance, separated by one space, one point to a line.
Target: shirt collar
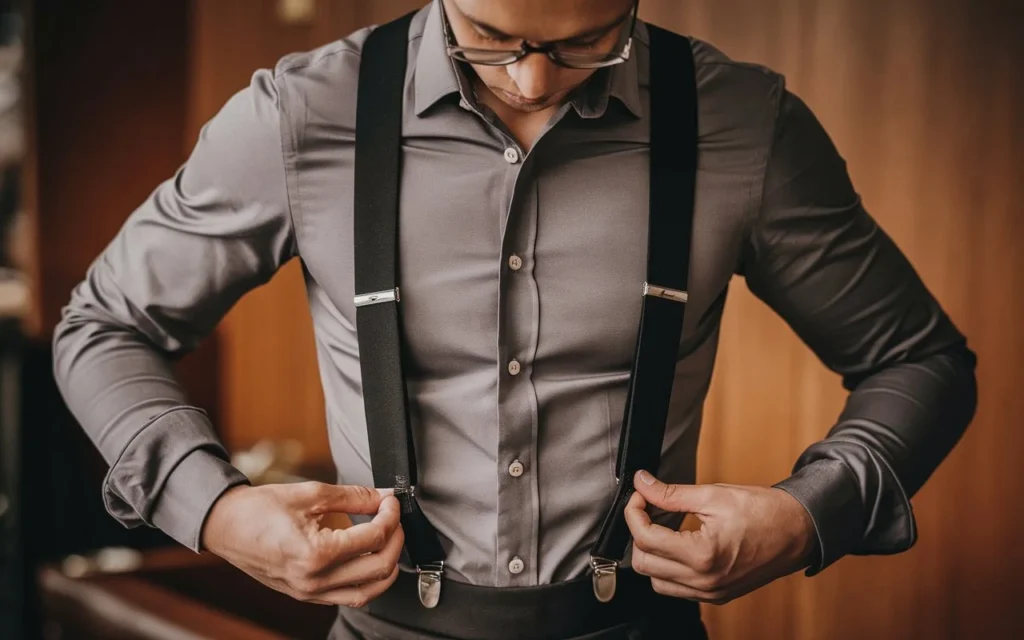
626 78
436 75
621 81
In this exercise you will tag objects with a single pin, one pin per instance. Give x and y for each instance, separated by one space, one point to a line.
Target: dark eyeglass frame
492 57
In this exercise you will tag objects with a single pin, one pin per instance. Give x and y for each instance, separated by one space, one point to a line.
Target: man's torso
520 277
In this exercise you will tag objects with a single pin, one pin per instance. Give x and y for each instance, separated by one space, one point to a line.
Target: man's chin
527 106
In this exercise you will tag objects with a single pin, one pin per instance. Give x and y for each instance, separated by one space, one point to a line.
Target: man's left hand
749 536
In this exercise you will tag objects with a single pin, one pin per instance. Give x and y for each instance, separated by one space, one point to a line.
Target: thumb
679 498
323 498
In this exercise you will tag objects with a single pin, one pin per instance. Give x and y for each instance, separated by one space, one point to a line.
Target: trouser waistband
559 611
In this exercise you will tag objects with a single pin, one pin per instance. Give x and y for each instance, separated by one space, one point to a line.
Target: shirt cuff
190 492
832 497
170 475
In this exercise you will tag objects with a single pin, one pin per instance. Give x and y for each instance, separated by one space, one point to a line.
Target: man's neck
525 126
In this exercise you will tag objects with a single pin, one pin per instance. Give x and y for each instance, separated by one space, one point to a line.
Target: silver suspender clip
604 577
377 297
664 292
430 583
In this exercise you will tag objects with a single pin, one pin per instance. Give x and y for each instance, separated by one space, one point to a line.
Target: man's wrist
810 549
832 500
800 531
212 527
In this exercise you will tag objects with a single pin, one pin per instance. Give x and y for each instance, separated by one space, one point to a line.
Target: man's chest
538 256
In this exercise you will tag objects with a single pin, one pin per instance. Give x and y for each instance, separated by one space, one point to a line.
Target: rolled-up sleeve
819 259
216 229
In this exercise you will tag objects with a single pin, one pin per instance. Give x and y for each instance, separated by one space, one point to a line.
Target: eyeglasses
565 55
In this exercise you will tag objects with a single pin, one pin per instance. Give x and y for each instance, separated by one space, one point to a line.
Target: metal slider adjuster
664 292
377 297
604 577
404 493
430 583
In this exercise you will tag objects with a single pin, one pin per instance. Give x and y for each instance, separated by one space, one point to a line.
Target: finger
319 498
655 566
365 569
389 514
360 596
636 512
636 501
367 537
691 548
672 589
649 536
680 498
711 585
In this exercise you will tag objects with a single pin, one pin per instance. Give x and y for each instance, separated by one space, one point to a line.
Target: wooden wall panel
97 147
106 99
924 99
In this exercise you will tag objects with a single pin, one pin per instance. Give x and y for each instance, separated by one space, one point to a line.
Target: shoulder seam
309 63
755 212
289 145
319 59
747 66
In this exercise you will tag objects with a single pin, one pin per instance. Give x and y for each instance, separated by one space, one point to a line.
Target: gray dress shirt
521 290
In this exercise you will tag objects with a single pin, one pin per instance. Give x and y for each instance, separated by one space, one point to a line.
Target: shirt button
516 566
515 262
514 367
511 155
515 469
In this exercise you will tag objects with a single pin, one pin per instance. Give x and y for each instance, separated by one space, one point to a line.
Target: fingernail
386 492
646 478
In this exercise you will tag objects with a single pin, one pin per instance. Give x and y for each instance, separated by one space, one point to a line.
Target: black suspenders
673 171
673 152
378 162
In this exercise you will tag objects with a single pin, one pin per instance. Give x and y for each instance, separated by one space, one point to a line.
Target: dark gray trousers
355 624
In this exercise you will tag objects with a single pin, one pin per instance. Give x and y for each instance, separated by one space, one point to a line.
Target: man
527 168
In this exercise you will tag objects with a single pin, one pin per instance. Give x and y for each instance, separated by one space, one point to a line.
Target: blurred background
101 100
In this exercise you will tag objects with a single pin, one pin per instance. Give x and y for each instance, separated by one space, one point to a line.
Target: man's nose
534 75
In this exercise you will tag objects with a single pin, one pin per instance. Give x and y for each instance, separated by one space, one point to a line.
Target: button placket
517 503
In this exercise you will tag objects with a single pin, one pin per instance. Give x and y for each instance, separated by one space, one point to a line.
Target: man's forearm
897 427
218 228
167 466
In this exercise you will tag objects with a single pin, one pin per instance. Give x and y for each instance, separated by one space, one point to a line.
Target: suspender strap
377 172
673 149
673 169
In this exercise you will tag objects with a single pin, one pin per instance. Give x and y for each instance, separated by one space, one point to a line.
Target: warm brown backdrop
924 99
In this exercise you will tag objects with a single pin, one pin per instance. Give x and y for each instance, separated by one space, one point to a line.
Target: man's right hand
274 533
